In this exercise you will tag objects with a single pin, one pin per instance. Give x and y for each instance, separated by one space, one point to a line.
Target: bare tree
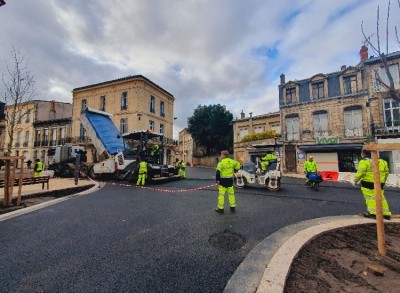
389 85
19 88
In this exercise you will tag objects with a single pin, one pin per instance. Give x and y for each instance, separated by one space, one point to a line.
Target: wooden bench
29 181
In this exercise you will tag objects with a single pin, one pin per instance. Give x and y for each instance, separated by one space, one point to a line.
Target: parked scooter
250 173
314 179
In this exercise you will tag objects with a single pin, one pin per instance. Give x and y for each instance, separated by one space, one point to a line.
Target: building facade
331 116
248 151
385 112
38 125
187 150
135 102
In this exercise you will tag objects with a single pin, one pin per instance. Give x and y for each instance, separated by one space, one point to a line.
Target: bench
29 181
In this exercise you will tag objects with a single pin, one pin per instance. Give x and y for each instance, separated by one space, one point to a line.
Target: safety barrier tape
151 188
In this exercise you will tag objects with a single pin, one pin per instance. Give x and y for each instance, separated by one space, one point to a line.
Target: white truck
62 160
115 159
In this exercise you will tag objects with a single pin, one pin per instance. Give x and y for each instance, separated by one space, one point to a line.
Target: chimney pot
242 115
282 79
364 53
343 68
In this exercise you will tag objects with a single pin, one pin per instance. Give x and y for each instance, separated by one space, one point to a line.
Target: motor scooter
314 179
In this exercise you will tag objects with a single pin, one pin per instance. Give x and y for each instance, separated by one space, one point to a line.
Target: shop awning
331 147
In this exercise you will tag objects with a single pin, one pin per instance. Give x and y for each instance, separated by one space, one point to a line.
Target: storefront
334 157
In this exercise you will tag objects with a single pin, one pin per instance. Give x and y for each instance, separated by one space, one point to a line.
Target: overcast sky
227 52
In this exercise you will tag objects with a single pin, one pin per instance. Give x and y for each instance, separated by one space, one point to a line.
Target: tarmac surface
264 269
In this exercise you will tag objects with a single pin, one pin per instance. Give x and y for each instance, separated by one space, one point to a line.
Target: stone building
188 151
385 112
330 116
39 124
135 102
250 150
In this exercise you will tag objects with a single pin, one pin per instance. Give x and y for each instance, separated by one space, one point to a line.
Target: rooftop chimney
242 115
251 114
364 53
343 68
282 79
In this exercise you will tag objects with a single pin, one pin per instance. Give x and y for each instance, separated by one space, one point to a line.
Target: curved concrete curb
266 267
47 203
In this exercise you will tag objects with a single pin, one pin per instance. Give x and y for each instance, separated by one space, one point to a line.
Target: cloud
226 52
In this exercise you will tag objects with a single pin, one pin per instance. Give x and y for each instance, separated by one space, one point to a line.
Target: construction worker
224 177
181 167
310 166
155 150
38 168
266 160
366 176
142 172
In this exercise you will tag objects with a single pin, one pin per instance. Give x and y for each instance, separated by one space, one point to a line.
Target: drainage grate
227 240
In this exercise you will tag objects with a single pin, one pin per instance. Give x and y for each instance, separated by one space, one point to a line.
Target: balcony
355 132
45 143
17 144
36 144
25 144
53 142
386 129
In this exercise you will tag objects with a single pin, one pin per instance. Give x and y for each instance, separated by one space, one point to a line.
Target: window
320 123
318 90
81 132
394 72
28 116
37 138
123 125
19 117
43 157
103 103
35 155
353 122
162 128
350 84
162 109
243 133
53 136
151 125
46 136
258 129
62 135
290 95
124 101
26 140
292 128
152 104
392 116
84 105
18 140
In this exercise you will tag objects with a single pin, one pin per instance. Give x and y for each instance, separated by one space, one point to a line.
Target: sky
204 52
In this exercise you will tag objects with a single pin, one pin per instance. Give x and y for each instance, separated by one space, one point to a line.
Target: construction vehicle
62 160
113 154
149 146
250 173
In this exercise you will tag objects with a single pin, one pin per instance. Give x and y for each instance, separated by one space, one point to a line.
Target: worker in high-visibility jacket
224 177
38 168
182 169
142 172
266 160
310 166
366 176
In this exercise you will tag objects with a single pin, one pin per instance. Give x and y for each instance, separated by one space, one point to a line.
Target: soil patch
347 260
37 198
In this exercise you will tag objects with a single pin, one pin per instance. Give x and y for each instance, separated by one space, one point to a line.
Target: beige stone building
135 102
187 149
39 125
330 116
384 111
250 150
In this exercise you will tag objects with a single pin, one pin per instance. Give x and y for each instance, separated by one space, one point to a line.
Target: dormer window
290 95
350 84
318 90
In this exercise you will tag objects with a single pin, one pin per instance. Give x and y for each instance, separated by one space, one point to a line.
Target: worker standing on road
266 160
310 166
366 176
224 177
38 168
142 172
181 165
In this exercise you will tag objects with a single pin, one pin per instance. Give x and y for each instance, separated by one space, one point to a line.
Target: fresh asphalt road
126 239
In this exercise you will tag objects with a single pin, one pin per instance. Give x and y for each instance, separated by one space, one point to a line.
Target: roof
127 78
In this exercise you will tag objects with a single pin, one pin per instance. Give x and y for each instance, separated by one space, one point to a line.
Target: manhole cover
227 240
